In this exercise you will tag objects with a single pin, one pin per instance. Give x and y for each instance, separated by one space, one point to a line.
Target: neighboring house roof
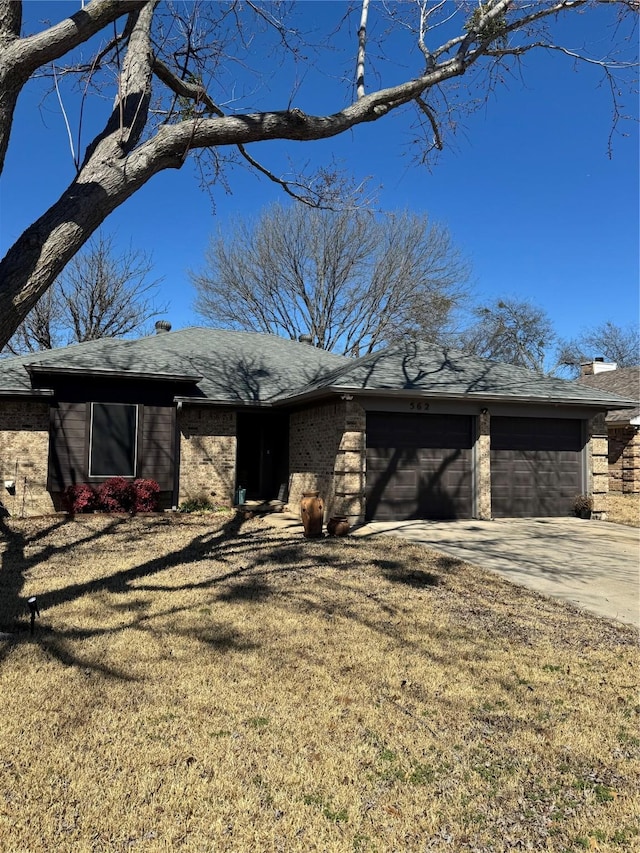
625 382
236 368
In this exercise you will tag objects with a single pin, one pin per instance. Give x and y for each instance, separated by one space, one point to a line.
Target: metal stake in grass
34 610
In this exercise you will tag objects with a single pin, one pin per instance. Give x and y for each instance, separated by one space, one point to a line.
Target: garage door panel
418 466
536 466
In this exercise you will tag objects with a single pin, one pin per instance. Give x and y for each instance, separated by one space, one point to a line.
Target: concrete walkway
594 565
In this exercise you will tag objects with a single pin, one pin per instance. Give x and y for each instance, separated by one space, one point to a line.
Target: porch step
261 507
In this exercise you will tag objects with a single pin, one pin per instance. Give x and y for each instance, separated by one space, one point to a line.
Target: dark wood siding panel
419 466
67 446
157 447
536 466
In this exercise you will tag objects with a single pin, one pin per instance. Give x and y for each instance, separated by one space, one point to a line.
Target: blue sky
527 189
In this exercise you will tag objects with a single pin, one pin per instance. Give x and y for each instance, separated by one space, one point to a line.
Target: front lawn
203 684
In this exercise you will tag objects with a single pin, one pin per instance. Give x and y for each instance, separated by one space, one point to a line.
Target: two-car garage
423 465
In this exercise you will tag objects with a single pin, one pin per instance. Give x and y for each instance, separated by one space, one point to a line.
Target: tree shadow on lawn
15 564
262 553
411 577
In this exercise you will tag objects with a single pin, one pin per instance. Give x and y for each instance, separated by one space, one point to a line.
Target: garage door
536 466
418 466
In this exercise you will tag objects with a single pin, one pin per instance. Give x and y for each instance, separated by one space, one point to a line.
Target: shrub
197 503
582 506
80 497
146 495
116 495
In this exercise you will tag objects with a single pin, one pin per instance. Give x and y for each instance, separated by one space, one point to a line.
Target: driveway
594 565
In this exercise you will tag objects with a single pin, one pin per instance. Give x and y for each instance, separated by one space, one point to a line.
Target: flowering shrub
79 497
116 495
146 495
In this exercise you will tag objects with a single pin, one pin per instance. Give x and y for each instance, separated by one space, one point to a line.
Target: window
112 446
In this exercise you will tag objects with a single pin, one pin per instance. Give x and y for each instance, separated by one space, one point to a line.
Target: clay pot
338 525
312 514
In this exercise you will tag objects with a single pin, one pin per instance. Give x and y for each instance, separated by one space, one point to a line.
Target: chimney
162 326
305 339
598 365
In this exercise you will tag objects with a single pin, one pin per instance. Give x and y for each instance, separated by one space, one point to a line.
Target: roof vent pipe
162 326
305 339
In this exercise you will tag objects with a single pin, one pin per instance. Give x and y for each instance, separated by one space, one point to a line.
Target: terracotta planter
312 514
338 525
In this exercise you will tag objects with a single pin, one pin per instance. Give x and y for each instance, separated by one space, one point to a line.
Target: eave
40 370
478 396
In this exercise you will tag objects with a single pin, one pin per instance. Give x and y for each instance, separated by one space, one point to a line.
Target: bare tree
512 331
350 280
173 69
100 294
610 341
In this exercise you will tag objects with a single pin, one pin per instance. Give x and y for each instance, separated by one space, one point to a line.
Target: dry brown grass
624 509
201 685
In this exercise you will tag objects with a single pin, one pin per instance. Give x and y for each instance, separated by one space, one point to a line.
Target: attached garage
419 466
536 466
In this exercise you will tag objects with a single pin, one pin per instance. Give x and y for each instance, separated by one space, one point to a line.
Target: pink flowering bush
116 495
146 495
79 497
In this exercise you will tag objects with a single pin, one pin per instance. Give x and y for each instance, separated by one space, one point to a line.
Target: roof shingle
236 368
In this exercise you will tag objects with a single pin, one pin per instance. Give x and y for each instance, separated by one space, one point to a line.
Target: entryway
262 458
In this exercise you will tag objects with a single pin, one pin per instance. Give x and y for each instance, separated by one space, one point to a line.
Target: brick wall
483 466
598 469
326 454
207 453
624 459
24 452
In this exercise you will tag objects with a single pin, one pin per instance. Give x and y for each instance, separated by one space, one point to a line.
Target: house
414 431
622 425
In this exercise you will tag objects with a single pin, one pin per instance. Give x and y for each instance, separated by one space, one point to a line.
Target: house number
418 406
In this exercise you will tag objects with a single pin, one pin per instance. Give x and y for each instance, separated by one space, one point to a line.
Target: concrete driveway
594 565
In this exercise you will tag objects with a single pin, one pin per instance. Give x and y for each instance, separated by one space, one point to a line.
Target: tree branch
129 151
362 38
185 89
22 56
426 109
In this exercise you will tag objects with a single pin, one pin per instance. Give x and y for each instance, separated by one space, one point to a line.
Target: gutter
117 374
32 392
478 396
229 404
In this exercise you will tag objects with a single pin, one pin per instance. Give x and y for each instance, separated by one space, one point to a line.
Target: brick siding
327 454
598 470
483 466
207 453
24 453
624 459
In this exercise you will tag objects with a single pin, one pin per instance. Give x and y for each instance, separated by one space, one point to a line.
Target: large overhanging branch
107 178
119 163
27 54
21 57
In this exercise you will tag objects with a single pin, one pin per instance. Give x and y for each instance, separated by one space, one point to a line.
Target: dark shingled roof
236 368
218 365
625 382
438 371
